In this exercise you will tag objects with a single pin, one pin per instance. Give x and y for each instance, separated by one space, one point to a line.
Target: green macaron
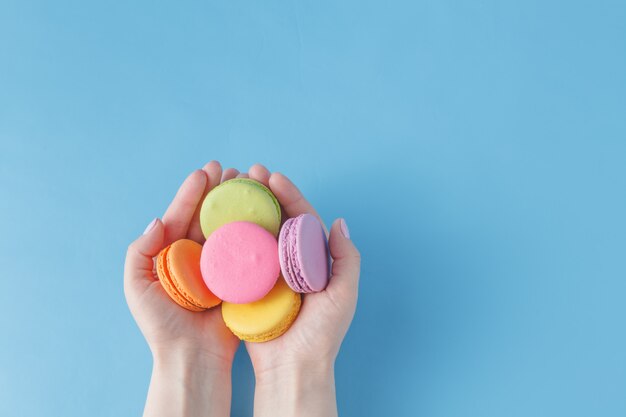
240 199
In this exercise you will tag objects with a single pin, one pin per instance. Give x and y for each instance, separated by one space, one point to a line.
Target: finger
243 175
346 267
229 174
213 171
290 198
259 173
139 265
180 212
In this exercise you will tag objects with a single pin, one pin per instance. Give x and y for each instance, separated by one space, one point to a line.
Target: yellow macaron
266 319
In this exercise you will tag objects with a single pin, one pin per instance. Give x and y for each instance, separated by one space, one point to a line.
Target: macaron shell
240 199
312 252
239 262
178 268
303 253
184 265
168 284
265 319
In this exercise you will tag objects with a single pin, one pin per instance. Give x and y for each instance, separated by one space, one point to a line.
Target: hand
191 350
295 372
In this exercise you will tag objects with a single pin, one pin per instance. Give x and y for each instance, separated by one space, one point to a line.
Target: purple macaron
303 254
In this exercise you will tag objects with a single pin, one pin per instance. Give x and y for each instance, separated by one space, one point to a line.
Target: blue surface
476 149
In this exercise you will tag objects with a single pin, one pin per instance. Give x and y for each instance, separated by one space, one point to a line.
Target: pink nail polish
344 229
150 226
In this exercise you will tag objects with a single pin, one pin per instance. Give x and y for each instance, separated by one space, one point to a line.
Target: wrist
303 389
190 362
296 372
188 383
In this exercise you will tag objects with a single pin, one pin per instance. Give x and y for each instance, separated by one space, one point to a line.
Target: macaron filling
294 272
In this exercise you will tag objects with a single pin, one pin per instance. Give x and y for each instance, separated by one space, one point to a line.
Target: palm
164 323
312 336
324 317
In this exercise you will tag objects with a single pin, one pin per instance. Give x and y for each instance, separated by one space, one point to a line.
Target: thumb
346 262
139 266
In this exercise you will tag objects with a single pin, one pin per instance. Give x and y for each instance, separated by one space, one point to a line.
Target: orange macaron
178 268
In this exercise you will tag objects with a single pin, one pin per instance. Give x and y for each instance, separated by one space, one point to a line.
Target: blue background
477 150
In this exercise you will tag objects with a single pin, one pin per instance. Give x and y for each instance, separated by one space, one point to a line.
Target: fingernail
150 226
344 229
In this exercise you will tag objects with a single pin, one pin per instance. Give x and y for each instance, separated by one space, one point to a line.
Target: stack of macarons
249 263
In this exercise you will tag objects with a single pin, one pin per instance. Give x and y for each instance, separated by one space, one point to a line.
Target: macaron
240 199
303 254
265 319
178 269
239 262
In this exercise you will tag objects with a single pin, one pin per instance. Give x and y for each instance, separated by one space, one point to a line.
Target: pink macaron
239 262
303 254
